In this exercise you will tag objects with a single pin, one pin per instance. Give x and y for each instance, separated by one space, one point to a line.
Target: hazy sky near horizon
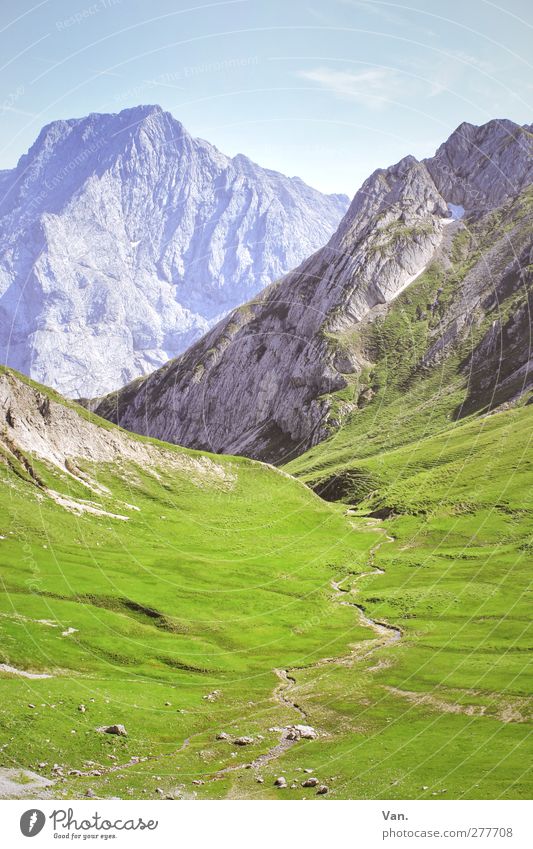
326 90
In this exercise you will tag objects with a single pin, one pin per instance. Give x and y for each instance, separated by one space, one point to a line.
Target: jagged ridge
259 383
123 239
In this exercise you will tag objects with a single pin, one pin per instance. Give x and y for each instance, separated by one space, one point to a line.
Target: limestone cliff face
480 167
257 384
37 423
123 239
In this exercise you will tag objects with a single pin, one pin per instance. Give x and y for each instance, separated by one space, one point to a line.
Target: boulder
119 730
301 732
243 741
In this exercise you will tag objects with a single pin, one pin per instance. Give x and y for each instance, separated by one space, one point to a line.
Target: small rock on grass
301 732
213 696
322 790
243 741
310 782
280 782
114 729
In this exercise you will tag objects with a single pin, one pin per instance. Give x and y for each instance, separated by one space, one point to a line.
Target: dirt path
274 752
285 692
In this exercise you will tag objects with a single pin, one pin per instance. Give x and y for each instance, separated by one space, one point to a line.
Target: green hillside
218 574
225 600
456 495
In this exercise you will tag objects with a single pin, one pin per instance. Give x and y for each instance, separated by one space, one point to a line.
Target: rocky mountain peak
478 167
258 383
405 189
123 238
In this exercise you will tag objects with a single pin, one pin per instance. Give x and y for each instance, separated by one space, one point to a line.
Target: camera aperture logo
65 824
32 822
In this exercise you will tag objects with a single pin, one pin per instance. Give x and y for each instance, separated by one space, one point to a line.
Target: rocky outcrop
252 385
40 424
480 167
500 368
123 239
258 383
490 312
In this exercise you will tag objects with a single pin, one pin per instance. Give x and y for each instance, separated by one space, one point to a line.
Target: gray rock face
480 167
500 367
255 384
45 427
123 239
254 380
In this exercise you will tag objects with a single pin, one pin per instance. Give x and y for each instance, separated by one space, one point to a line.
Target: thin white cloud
373 87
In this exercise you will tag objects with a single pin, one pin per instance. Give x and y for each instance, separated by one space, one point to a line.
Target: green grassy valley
458 582
170 620
186 596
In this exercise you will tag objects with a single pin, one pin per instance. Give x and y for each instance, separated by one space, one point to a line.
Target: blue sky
326 90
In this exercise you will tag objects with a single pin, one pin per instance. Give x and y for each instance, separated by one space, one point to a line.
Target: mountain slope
123 238
271 380
201 600
138 578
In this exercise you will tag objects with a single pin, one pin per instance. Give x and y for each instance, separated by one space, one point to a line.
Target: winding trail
386 633
284 693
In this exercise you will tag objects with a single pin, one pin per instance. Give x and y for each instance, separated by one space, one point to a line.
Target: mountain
123 239
437 254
